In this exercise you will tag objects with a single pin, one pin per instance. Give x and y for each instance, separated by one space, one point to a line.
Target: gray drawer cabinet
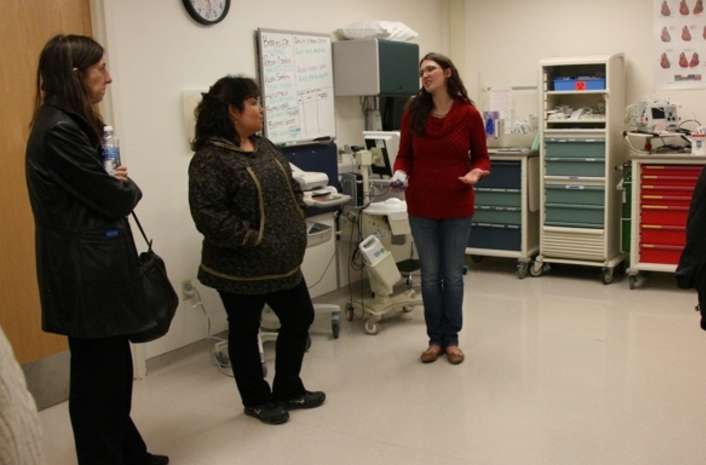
507 210
580 147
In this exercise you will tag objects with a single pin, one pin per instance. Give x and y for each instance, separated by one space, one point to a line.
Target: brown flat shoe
455 357
431 354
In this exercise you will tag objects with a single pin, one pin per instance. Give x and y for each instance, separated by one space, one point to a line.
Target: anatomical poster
680 44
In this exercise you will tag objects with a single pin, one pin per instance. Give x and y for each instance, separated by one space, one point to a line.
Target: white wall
155 51
505 43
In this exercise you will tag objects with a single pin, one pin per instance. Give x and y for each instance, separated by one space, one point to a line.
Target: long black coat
691 271
86 258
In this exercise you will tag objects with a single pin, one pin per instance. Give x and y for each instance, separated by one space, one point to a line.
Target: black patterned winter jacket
251 214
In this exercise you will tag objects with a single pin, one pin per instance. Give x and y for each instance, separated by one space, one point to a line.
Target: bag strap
149 241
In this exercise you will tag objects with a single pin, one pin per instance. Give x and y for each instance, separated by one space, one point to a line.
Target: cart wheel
607 275
308 343
407 308
536 269
632 280
522 270
336 328
371 327
623 267
264 370
477 258
349 312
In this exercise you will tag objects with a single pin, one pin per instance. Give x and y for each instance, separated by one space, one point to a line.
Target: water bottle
111 150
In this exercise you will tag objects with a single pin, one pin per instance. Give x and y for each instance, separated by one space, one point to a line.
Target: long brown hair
421 104
56 77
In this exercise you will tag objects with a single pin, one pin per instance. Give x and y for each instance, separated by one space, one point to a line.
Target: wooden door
25 26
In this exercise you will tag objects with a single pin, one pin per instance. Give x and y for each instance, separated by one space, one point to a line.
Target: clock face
207 11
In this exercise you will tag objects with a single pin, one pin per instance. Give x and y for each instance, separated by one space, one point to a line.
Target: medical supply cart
663 185
581 110
506 221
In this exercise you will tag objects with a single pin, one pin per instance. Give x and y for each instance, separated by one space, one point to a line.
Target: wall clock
207 12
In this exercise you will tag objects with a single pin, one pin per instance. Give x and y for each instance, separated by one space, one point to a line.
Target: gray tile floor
559 369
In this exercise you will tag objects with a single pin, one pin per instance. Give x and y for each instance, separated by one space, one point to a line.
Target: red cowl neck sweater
451 147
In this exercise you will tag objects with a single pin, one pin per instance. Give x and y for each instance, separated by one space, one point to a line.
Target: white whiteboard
296 77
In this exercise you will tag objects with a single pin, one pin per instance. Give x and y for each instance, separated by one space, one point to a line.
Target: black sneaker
271 413
158 460
308 400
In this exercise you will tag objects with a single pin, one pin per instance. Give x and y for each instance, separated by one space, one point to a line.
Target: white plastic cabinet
506 222
580 147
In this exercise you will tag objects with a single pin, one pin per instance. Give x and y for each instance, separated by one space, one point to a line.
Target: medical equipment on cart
388 143
309 180
317 194
656 116
380 220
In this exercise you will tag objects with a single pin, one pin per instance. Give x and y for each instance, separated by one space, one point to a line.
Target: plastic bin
579 83
317 233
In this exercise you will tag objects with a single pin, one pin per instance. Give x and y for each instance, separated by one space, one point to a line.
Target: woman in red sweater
442 154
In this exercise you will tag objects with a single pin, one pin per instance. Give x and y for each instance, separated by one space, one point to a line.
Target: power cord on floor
217 350
310 286
355 259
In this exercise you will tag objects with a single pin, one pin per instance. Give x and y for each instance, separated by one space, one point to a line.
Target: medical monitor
656 116
389 143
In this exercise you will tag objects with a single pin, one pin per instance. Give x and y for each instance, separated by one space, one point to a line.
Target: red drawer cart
662 189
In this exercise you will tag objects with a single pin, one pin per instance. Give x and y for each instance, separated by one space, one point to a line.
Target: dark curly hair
56 77
212 119
421 104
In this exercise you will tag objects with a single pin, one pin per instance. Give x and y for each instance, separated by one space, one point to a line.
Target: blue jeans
441 245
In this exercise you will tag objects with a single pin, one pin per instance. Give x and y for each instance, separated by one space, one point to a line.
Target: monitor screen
658 113
388 142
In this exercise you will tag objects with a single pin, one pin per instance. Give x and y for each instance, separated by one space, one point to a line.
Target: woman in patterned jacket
250 211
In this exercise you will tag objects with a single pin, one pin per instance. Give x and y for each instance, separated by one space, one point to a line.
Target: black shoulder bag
160 296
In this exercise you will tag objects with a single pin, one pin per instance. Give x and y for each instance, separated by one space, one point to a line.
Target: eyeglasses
427 70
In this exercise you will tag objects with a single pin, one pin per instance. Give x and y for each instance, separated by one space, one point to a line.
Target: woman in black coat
86 258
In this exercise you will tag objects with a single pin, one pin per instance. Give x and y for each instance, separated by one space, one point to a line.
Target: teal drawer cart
506 222
580 148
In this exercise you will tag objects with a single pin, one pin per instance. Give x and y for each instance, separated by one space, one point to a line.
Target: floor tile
559 369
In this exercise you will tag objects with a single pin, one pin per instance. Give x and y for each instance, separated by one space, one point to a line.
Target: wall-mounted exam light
189 100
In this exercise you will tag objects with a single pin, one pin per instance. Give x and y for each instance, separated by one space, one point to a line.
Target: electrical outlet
187 290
